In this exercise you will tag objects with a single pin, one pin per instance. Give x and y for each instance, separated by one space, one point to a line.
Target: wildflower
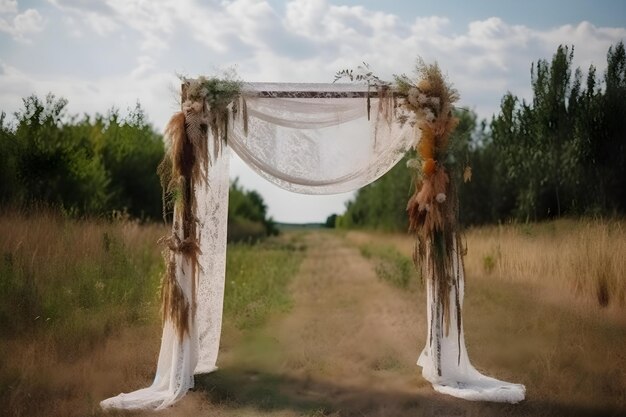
413 164
435 101
413 96
467 174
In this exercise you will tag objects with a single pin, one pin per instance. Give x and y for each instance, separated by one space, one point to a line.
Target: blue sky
539 14
100 54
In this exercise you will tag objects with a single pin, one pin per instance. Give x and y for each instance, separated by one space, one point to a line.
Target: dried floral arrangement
433 207
184 167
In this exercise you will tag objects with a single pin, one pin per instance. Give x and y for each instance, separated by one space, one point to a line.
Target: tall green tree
564 153
131 151
561 153
247 215
552 116
50 165
83 166
611 149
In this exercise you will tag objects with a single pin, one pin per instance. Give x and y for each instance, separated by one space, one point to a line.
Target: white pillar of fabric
213 216
196 352
458 377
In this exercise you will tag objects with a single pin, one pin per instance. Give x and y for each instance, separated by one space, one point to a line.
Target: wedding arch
311 139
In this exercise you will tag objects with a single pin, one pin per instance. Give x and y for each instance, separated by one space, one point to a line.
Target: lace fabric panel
321 145
458 377
212 215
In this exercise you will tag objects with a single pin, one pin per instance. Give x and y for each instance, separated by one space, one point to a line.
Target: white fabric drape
458 377
311 146
179 359
319 145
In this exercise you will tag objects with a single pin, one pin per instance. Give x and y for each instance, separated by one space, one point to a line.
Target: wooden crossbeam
308 90
313 90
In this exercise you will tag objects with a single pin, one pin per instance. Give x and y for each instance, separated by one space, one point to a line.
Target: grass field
79 307
316 323
66 287
585 259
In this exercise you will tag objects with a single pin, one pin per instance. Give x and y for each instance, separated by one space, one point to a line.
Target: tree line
563 153
83 166
96 166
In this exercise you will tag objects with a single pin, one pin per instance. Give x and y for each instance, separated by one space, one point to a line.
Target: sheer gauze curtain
309 145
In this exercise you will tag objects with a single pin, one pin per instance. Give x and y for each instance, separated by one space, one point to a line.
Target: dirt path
347 347
348 326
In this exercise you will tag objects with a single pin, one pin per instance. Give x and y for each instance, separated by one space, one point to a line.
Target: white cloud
318 20
8 6
93 15
73 27
304 17
145 65
24 24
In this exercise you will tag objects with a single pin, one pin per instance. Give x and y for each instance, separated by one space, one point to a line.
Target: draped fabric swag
305 138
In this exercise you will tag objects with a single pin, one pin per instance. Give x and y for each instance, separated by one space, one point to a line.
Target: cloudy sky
100 54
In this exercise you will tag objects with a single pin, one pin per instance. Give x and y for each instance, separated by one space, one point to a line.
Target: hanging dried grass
184 166
175 306
218 96
196 127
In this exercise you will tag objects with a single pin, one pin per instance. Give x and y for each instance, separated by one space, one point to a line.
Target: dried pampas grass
184 166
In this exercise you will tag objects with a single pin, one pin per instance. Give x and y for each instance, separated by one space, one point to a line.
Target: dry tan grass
51 242
49 386
69 288
587 258
79 309
584 259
